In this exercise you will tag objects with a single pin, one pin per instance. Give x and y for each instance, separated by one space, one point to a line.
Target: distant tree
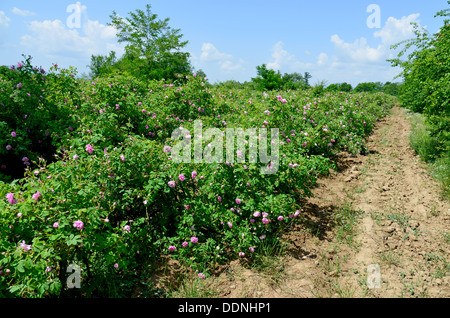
153 48
319 88
332 88
293 77
345 87
306 77
339 87
294 81
366 87
391 88
201 73
229 84
378 86
101 65
267 79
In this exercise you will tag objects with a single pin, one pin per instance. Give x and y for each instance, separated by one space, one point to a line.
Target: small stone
333 273
390 229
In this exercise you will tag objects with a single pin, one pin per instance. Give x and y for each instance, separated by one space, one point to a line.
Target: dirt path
376 228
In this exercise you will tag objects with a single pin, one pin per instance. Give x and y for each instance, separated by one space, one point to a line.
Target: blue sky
332 40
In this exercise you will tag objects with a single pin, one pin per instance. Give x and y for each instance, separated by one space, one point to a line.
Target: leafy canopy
153 49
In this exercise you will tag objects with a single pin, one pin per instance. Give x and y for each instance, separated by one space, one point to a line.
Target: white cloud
357 61
322 59
280 56
211 53
284 60
23 13
215 62
229 66
56 41
357 51
4 20
396 30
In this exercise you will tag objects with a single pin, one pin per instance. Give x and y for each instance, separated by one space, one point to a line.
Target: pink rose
89 149
78 224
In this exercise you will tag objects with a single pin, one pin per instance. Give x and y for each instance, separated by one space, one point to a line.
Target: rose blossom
36 196
10 198
89 149
25 246
78 224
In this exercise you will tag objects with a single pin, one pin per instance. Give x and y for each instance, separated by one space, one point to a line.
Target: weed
389 258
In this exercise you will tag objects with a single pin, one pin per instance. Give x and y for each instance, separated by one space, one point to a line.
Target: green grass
389 258
421 140
427 148
346 219
194 287
268 260
441 172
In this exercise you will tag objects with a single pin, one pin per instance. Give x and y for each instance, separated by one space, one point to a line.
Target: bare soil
399 225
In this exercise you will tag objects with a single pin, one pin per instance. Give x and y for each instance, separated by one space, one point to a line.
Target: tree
294 81
339 87
293 77
391 88
345 87
153 48
332 88
101 65
267 79
201 73
307 76
368 87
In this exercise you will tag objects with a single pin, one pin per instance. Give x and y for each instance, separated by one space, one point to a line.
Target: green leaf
19 266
